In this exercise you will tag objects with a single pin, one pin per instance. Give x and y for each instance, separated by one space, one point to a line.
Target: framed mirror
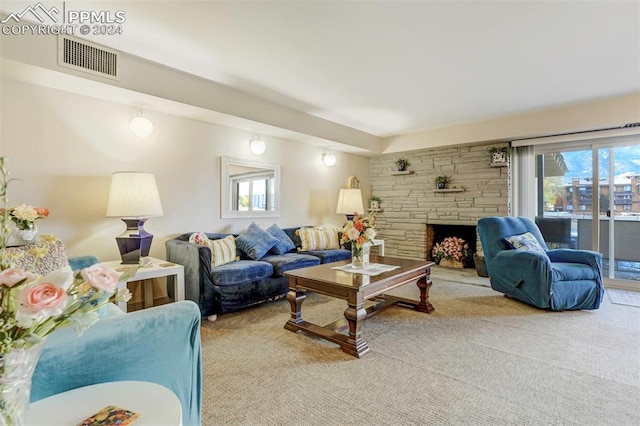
249 188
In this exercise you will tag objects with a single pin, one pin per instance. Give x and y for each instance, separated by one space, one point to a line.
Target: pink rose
12 276
102 278
43 297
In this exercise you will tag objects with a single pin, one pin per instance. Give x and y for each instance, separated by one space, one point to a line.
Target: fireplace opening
437 233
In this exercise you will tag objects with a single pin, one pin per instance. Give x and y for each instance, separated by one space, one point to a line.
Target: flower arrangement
31 306
452 248
359 231
25 216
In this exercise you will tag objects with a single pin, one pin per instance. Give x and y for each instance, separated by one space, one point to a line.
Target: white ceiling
394 67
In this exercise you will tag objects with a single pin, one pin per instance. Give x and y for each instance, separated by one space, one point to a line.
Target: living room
65 132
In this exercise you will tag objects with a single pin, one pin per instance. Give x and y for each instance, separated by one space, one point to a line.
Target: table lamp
134 198
350 202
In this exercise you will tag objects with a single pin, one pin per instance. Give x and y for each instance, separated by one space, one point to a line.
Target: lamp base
134 242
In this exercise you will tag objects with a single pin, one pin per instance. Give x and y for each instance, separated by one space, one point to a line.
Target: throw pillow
284 243
318 239
223 250
525 242
255 241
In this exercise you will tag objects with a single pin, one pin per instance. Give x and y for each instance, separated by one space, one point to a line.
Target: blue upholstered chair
560 279
159 345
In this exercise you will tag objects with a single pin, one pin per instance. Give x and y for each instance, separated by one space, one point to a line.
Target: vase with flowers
358 233
452 252
23 220
32 307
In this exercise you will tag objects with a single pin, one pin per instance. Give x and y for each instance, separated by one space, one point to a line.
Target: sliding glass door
587 196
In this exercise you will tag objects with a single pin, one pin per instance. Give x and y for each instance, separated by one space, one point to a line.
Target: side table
158 268
378 243
156 404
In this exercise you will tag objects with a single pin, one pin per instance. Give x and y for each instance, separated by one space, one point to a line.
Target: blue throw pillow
255 242
284 243
525 242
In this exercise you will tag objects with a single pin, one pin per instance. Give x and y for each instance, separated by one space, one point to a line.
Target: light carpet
480 359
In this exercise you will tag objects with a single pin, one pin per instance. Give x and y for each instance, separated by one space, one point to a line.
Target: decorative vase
441 185
375 205
25 236
16 371
359 255
499 157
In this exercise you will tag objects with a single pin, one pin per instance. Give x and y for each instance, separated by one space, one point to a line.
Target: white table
156 269
380 244
157 405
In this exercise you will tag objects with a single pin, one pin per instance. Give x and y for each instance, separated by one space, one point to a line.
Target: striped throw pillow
318 239
223 250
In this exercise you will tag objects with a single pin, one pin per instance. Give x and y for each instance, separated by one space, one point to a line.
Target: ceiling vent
83 56
631 125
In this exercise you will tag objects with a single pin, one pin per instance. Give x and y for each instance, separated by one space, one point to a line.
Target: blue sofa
560 279
244 282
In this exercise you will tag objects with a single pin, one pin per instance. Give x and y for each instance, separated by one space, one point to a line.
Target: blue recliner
561 279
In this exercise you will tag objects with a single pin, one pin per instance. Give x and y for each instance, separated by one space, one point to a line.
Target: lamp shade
134 195
350 202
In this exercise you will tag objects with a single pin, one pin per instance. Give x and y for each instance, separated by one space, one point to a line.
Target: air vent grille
631 125
88 57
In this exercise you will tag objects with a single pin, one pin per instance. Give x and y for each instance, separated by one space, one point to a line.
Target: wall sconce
134 198
329 159
257 146
141 126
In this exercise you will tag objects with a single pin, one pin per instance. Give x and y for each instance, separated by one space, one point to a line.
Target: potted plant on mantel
441 181
374 202
401 164
500 154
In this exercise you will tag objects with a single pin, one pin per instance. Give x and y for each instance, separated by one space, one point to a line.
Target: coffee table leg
424 284
295 298
355 315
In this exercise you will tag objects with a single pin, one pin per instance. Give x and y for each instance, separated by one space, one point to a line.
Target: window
253 192
249 188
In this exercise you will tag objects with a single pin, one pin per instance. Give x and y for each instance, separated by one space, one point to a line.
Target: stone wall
409 202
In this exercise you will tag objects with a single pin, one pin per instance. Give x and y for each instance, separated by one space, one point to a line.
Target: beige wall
593 115
63 147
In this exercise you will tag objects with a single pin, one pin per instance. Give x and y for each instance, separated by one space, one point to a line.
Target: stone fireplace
413 213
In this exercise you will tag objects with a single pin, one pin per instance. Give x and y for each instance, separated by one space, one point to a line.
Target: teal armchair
561 279
159 345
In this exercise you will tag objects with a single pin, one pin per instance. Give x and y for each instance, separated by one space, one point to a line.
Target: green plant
441 179
506 149
402 164
374 198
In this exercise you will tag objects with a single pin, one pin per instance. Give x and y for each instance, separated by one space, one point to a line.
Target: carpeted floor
479 359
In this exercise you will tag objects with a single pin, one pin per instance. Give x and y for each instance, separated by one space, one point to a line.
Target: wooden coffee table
355 289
